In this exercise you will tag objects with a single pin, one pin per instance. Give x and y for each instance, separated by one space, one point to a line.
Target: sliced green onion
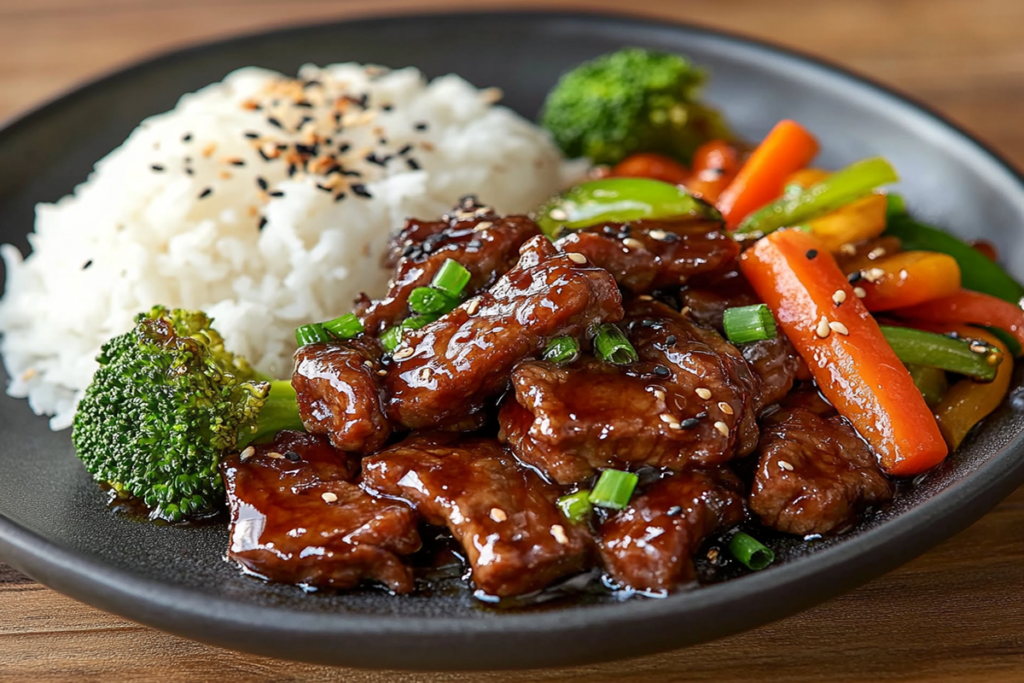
611 345
750 552
345 326
575 506
561 350
452 277
613 489
417 321
931 382
391 338
313 333
432 300
840 188
749 324
976 359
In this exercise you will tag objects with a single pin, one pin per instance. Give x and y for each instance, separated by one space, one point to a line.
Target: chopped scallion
745 324
417 321
431 300
611 345
391 338
575 506
452 277
750 552
311 334
345 326
562 350
613 489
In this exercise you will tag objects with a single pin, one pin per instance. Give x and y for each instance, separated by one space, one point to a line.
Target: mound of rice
266 201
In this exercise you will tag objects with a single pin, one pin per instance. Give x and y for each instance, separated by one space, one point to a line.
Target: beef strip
446 370
649 545
339 393
485 243
814 475
647 255
775 361
688 401
295 518
504 515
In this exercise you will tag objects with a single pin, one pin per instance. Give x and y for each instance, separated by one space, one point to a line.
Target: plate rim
871 553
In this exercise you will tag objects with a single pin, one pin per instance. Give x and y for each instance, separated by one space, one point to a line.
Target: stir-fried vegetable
575 506
973 358
967 401
314 333
907 279
744 324
715 164
931 382
613 489
854 366
344 326
653 166
788 147
750 552
618 200
978 273
562 350
859 220
840 188
611 345
970 308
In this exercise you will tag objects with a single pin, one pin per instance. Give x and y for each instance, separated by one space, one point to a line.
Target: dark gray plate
53 521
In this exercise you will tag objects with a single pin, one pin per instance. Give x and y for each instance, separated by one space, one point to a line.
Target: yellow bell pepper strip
853 365
971 308
803 179
861 219
967 402
931 382
787 148
907 279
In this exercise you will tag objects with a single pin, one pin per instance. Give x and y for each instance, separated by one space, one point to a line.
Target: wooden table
955 614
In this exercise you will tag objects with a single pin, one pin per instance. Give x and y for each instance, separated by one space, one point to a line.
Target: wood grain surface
955 614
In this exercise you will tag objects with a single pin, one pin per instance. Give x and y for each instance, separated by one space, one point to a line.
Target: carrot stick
853 365
785 150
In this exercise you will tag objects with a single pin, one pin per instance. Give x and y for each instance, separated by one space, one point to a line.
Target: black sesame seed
338 197
360 189
344 147
689 423
238 162
382 141
206 193
274 122
292 168
811 253
157 167
311 84
670 340
854 277
187 137
387 107
188 171
276 193
405 150
674 511
293 456
379 161
263 222
420 126
352 174
325 188
264 155
670 237
661 371
87 264
412 164
262 182
305 104
252 135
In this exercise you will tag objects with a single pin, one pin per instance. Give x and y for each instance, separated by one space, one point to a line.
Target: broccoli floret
630 101
166 402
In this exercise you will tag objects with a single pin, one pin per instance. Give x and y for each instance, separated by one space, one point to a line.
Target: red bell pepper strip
970 307
715 164
853 365
653 166
787 148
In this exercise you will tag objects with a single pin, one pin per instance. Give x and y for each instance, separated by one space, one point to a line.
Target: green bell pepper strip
931 381
977 272
842 187
976 359
618 200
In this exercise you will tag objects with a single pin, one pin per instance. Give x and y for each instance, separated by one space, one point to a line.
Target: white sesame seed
403 353
275 455
559 533
668 418
632 243
873 275
329 497
848 249
685 310
577 258
382 372
823 329
859 292
838 297
876 253
247 453
659 394
785 465
482 225
722 427
903 274
725 407
838 328
368 363
645 297
425 374
498 515
658 234
472 306
558 214
704 393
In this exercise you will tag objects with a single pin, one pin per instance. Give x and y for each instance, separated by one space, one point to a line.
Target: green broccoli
629 101
166 402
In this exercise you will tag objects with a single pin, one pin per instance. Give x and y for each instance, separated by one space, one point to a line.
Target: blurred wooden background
955 614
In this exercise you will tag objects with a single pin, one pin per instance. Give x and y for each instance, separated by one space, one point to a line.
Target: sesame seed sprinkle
722 428
157 167
823 328
559 533
859 292
838 328
498 515
838 297
275 455
704 393
329 497
206 193
577 258
658 234
247 453
403 353
632 243
785 465
689 423
725 407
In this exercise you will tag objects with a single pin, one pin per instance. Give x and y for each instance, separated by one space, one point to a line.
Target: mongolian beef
655 359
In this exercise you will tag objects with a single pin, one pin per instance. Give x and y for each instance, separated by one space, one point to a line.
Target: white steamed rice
173 215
